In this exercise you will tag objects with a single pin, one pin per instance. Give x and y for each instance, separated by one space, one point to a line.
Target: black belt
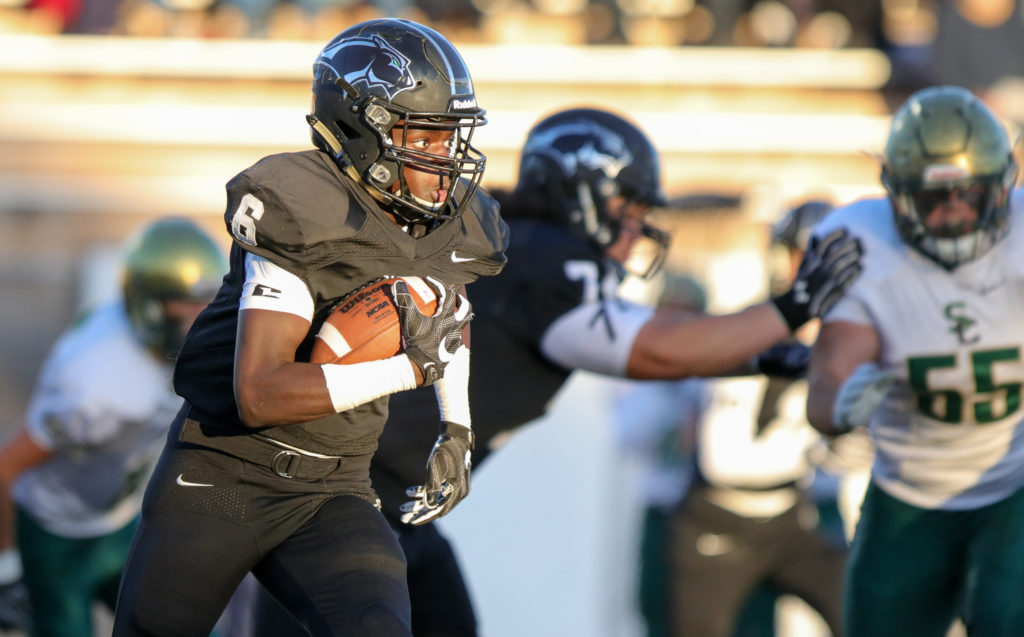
287 463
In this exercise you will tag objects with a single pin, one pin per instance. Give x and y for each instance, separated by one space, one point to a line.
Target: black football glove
784 360
430 341
14 606
448 481
830 265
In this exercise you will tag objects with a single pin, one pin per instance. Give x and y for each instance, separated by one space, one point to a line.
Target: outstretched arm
674 345
621 339
709 346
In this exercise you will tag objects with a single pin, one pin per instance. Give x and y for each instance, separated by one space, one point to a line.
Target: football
364 325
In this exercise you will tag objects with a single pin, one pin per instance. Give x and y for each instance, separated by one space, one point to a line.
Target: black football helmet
944 139
378 73
793 230
169 260
577 159
789 238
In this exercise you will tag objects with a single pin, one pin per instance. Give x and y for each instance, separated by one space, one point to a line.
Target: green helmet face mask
170 260
945 141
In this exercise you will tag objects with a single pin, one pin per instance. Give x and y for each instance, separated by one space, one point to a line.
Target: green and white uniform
949 434
102 406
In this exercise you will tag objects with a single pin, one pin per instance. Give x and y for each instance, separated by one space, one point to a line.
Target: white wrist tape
353 385
10 566
453 389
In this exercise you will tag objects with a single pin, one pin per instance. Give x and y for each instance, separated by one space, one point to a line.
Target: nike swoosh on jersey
185 483
457 259
986 289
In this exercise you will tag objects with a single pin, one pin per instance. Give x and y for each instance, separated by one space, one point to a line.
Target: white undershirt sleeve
271 287
453 389
596 336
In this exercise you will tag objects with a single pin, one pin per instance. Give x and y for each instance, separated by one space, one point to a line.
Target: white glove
859 396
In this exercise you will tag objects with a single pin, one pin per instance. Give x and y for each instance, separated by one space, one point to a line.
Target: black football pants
719 558
208 518
441 606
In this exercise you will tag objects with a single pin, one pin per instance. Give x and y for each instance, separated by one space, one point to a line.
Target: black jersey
511 382
299 211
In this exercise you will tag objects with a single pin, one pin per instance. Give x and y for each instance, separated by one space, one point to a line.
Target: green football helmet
944 140
169 260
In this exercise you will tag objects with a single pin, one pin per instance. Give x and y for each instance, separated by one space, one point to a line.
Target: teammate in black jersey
587 178
266 467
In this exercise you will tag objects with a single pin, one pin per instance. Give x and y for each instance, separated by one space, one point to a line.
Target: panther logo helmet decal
582 144
377 64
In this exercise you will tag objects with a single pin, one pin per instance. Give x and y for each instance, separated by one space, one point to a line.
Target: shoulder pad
486 234
871 222
284 205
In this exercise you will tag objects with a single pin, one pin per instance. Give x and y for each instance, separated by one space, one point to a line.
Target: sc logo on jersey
957 313
379 64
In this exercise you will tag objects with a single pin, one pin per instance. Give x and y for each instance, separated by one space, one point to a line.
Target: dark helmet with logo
944 140
789 238
169 260
576 160
387 72
793 230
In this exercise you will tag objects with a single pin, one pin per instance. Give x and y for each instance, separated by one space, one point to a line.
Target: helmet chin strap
325 134
418 226
592 226
587 207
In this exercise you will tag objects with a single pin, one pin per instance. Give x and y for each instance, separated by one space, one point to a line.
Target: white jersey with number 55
950 432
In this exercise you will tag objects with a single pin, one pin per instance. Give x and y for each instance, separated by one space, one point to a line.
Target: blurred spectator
36 16
63 12
802 23
95 17
978 43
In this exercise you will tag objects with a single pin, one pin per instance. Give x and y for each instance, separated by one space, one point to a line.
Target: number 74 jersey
950 432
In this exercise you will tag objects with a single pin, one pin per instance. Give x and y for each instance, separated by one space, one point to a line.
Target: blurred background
115 112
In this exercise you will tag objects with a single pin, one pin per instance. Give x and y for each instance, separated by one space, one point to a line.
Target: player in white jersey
747 530
94 427
925 350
